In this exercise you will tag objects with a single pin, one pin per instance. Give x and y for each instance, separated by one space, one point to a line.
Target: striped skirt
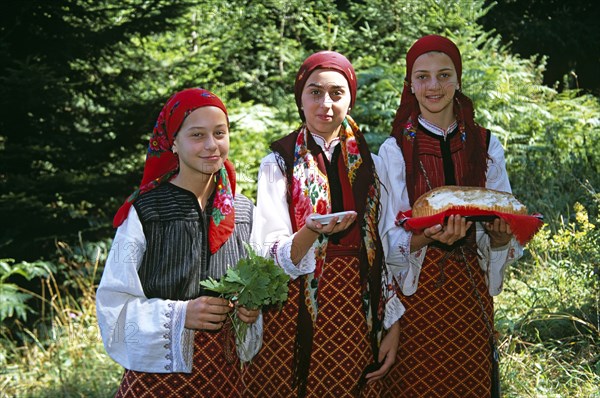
444 346
341 348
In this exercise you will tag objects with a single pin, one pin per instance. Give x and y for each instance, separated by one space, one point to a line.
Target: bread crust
453 197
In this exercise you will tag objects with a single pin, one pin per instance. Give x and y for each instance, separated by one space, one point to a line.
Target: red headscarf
324 60
162 164
433 43
408 111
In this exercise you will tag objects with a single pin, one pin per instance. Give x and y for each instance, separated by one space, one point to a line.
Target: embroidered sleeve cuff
182 340
282 254
494 262
408 280
394 309
404 245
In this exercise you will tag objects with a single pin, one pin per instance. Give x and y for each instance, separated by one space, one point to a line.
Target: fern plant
13 296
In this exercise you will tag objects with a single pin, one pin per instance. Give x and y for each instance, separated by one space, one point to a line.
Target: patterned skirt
444 346
215 372
341 348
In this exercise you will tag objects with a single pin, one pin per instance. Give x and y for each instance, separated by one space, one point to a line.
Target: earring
458 87
412 89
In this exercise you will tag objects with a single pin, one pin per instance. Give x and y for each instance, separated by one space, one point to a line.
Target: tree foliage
69 98
566 32
83 82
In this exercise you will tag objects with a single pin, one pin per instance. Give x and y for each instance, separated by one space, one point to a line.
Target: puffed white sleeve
494 261
272 232
405 266
394 309
141 334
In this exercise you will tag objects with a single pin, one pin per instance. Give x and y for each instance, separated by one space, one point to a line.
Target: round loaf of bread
472 198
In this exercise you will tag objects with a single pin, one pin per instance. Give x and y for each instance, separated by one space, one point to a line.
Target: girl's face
202 142
325 101
434 82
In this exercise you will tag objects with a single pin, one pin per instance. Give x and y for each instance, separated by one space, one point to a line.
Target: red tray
524 227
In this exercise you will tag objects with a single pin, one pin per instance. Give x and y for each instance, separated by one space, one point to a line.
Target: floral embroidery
159 142
370 239
371 222
274 252
223 201
350 150
310 194
461 122
511 253
168 336
410 130
321 206
461 129
174 108
302 205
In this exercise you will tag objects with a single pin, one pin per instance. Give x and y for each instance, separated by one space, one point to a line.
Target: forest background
82 82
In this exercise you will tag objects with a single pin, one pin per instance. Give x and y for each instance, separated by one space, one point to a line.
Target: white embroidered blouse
272 232
141 334
405 265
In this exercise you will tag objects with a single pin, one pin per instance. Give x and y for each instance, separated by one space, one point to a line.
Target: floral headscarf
162 164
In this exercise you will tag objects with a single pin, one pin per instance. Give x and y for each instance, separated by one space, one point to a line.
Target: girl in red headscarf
449 273
184 224
327 340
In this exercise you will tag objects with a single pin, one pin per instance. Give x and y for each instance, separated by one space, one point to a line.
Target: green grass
62 354
71 362
548 315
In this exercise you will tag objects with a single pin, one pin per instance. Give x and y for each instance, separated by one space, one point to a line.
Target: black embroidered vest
177 257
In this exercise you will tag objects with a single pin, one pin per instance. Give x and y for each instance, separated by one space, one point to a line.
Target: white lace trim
327 148
168 336
436 129
282 254
182 347
394 309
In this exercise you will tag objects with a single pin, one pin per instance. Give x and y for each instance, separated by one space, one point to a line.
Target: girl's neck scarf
310 194
162 164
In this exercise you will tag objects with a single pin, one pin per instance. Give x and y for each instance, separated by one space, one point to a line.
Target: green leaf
13 302
254 282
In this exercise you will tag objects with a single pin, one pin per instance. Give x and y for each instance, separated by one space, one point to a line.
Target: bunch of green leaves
253 283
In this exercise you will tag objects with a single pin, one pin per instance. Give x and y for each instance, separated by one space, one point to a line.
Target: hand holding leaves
254 282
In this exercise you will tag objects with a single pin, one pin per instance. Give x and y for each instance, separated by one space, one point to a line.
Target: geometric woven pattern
341 348
214 374
444 343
